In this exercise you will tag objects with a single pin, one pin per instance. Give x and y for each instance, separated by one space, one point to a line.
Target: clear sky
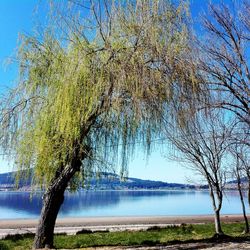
20 16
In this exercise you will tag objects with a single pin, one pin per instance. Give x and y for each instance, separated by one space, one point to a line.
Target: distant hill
243 180
233 184
104 181
8 181
113 181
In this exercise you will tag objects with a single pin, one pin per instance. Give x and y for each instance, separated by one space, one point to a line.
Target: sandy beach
108 221
73 225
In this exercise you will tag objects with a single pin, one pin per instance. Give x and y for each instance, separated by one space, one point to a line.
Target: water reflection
118 203
21 201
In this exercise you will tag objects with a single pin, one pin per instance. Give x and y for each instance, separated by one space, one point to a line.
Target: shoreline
121 220
72 226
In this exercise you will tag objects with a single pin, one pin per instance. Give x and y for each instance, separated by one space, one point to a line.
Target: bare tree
242 154
245 159
201 139
224 58
241 151
239 171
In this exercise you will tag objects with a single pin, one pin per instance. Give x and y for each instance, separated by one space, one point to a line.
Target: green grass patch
154 236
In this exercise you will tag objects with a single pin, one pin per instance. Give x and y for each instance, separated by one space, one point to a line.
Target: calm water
118 203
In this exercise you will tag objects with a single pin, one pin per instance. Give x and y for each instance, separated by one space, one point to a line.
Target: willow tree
88 87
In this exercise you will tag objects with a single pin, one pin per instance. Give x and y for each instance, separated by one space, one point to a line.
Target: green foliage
128 238
95 90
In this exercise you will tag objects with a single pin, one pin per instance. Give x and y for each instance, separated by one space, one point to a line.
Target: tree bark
217 222
52 201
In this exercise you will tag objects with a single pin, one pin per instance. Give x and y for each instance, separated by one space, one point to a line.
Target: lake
119 203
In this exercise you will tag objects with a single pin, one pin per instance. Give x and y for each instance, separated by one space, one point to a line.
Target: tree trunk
248 193
217 222
52 201
243 205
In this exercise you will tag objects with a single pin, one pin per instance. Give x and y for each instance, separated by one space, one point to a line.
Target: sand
126 220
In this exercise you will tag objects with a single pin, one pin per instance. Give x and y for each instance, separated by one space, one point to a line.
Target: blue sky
20 16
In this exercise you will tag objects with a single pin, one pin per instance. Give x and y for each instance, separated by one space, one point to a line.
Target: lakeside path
74 225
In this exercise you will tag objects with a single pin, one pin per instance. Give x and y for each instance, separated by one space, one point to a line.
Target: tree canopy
94 83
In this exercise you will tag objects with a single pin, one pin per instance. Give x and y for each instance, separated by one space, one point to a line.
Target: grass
154 236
